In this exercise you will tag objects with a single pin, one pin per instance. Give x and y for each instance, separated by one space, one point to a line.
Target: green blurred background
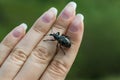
99 55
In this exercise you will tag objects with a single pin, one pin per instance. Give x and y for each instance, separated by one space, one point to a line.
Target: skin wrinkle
7 42
5 49
18 56
64 22
58 68
42 54
59 27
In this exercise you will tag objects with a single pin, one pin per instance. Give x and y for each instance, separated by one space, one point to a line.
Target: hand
29 57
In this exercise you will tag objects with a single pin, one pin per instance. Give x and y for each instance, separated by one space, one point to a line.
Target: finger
19 55
43 53
61 64
10 41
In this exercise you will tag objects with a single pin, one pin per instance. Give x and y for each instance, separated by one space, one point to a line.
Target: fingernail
75 26
81 17
24 26
73 4
69 10
49 15
19 30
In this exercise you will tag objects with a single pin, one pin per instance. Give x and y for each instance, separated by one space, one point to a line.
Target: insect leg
57 47
49 40
62 49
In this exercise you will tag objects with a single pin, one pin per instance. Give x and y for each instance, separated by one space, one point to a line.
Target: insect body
63 40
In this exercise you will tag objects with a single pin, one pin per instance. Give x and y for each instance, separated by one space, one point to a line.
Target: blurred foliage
99 55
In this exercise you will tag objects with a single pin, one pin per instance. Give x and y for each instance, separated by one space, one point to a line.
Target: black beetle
63 40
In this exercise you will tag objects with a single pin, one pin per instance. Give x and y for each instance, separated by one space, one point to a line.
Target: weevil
63 40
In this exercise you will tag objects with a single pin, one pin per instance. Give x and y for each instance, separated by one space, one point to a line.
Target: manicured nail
75 26
19 30
81 17
73 4
69 10
24 26
49 15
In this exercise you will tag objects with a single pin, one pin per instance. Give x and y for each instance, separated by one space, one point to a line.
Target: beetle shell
64 41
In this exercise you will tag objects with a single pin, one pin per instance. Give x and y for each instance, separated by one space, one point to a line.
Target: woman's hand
29 57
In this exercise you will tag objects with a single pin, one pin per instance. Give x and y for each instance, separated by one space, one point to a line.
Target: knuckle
18 55
41 53
8 43
4 48
59 26
6 51
58 68
39 28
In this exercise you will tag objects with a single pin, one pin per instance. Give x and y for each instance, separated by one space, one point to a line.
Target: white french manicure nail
81 16
24 25
54 10
73 4
69 10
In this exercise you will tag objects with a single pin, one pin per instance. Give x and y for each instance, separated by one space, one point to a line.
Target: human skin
26 56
